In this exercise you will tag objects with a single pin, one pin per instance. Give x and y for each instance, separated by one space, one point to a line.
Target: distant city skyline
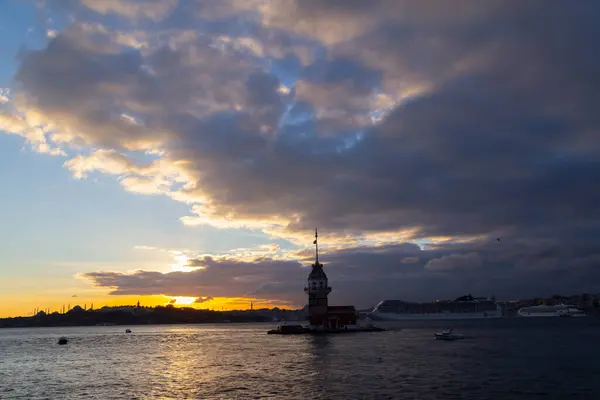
184 151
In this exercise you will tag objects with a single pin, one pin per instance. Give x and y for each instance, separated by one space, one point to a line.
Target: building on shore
321 315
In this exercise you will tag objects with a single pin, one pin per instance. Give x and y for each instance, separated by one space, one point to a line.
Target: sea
517 358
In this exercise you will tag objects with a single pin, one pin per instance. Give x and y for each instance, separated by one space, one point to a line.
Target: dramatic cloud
365 275
212 277
380 121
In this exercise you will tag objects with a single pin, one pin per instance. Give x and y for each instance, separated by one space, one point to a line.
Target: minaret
317 291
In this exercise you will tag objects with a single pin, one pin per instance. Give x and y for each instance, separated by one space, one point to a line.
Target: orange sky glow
26 307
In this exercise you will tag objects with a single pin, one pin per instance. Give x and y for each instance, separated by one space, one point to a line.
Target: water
516 359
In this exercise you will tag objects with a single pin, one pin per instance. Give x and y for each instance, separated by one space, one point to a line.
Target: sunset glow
27 307
182 301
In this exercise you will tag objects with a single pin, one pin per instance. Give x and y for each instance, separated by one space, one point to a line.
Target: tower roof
317 272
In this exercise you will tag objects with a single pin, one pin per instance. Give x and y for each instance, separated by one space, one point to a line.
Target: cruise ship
465 307
559 310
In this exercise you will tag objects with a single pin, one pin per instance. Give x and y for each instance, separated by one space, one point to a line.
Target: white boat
559 310
447 334
465 307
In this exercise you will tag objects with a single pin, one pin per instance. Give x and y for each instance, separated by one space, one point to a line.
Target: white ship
465 307
559 310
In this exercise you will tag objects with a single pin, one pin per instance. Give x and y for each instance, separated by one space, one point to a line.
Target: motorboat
448 334
127 330
63 340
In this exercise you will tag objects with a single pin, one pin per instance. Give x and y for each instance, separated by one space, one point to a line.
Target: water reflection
175 369
234 361
318 343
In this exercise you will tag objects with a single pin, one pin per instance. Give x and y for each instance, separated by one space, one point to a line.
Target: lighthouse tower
317 291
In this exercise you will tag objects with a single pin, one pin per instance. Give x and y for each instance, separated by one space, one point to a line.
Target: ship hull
433 316
551 315
539 315
542 311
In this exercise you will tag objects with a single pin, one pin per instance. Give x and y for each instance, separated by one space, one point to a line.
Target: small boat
127 330
447 334
63 340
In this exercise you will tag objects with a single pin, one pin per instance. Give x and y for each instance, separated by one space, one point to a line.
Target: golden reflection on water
183 359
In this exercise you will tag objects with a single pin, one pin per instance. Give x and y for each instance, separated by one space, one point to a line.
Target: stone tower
317 291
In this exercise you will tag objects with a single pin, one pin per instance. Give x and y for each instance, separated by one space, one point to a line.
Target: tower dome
317 273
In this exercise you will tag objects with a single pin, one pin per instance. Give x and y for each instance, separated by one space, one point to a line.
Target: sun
180 300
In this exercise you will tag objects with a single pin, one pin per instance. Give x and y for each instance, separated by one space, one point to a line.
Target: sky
164 150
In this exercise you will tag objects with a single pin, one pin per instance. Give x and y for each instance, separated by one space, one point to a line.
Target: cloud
4 95
213 277
106 161
152 9
35 134
342 93
410 260
367 274
453 262
204 299
142 247
402 121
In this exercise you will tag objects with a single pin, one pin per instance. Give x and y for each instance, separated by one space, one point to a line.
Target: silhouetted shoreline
161 315
133 315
